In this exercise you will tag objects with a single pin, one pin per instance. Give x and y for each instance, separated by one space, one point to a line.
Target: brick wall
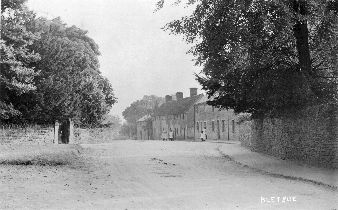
310 136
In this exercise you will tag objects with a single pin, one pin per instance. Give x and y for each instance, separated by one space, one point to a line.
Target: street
155 175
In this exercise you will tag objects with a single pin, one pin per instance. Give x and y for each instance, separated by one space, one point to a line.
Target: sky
137 56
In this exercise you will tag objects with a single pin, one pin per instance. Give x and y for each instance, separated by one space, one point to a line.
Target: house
177 115
144 128
218 124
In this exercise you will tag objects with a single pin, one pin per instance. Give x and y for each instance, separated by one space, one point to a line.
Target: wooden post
71 131
56 132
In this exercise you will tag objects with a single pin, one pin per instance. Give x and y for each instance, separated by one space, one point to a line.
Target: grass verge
39 155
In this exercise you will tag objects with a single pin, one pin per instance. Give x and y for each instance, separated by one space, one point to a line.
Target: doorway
218 130
64 131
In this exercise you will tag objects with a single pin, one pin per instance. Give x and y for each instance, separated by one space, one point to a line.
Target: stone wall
310 136
95 135
37 134
29 134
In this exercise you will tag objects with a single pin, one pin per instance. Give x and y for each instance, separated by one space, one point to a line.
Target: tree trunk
301 34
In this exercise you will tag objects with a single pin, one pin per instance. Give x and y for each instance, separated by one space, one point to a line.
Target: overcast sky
137 56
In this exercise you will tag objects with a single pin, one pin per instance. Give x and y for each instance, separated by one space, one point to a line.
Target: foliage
128 130
111 121
146 106
263 56
17 72
68 83
140 108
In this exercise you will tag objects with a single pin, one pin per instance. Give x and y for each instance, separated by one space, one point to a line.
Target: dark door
64 131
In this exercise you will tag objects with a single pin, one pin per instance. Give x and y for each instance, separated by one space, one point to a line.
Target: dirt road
154 175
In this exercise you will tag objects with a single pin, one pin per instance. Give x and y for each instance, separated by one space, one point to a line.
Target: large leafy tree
264 56
70 83
16 70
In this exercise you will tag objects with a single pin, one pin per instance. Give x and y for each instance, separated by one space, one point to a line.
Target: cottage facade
218 124
187 117
144 128
177 115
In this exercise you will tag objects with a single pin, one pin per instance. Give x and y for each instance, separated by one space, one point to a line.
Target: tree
138 109
70 83
263 57
17 72
111 121
128 130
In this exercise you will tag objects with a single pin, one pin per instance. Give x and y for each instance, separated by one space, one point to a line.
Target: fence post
71 131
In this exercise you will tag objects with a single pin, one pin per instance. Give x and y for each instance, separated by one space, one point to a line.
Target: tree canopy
17 72
51 70
146 106
263 56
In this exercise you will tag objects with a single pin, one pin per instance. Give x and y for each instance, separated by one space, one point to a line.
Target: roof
144 118
177 107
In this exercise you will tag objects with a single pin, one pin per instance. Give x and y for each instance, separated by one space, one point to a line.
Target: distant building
144 128
218 124
187 117
177 115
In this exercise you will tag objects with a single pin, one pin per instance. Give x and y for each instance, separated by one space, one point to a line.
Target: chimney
168 98
179 96
193 92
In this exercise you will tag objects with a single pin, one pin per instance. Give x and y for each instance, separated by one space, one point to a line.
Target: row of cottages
187 117
176 114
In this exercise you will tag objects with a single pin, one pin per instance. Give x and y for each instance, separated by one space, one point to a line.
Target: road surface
155 175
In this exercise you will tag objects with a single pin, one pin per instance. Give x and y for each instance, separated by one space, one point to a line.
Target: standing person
171 135
203 135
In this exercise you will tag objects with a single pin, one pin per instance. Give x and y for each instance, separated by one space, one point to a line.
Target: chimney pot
179 96
168 98
193 92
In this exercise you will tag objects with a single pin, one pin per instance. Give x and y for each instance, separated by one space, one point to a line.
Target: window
205 125
213 126
233 126
213 109
183 116
223 125
197 126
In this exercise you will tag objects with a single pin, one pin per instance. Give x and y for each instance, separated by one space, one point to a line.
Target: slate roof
177 107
